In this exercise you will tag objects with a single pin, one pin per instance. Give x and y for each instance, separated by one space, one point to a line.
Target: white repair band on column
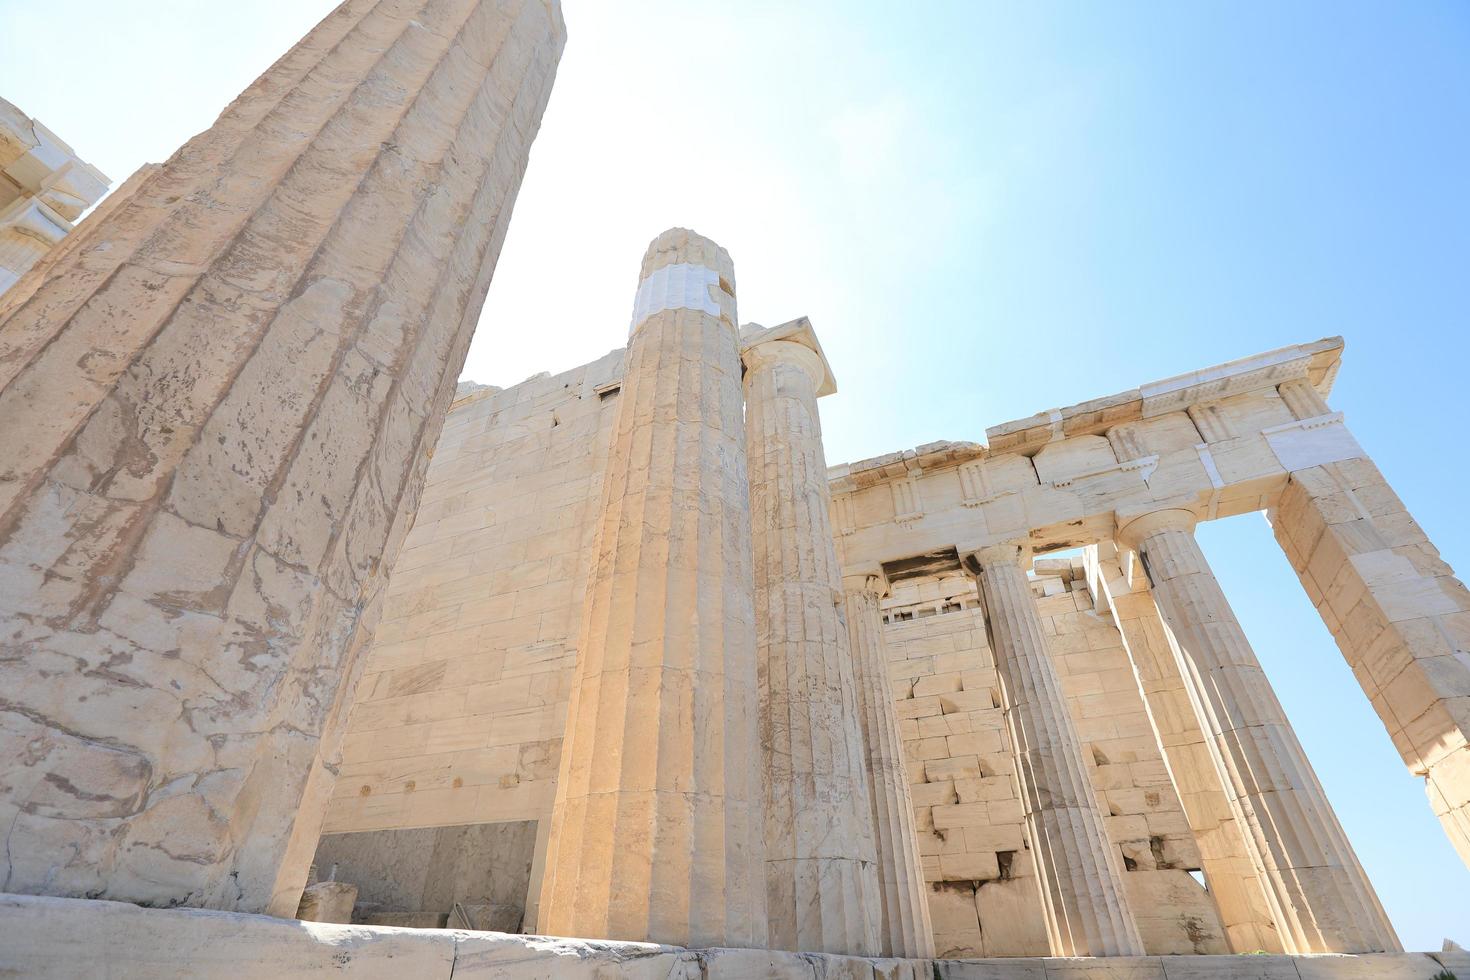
681 286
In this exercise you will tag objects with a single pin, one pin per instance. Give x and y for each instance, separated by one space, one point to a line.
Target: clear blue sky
987 210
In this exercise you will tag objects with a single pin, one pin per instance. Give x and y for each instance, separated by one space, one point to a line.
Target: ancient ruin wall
462 705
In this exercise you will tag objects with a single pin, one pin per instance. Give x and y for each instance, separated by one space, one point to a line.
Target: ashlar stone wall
462 705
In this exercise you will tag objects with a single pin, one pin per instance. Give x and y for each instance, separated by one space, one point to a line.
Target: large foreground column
217 411
1321 899
656 829
1082 894
821 878
905 929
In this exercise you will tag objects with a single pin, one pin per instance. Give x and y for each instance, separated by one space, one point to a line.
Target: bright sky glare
987 210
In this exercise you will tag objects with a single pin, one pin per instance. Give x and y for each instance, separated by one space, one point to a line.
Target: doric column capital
867 577
999 553
793 342
774 352
1133 528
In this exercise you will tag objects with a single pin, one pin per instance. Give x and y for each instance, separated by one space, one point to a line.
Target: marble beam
1399 615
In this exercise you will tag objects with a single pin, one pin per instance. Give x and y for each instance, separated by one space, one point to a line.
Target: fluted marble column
218 404
821 872
905 929
1082 893
656 828
1320 897
1225 859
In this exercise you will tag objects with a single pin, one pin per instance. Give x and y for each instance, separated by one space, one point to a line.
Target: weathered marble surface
1225 857
1399 615
327 901
70 939
44 187
218 409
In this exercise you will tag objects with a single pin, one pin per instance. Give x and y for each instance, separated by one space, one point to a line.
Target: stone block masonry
219 407
647 671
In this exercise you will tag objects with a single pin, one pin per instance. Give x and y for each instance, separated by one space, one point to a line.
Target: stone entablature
44 188
1057 479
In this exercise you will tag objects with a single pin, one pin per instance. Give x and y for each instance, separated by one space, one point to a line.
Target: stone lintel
867 576
1316 362
798 331
932 455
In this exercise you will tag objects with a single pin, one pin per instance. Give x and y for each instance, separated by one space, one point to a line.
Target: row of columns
733 772
1318 896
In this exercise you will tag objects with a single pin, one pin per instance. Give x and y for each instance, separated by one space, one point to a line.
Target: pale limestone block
485 956
1009 910
755 964
1230 968
989 969
1456 960
1112 968
67 938
1384 966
